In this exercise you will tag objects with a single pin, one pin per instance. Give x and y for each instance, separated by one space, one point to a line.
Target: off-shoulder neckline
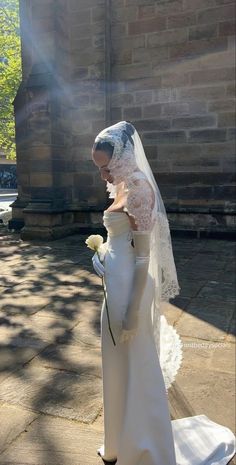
114 211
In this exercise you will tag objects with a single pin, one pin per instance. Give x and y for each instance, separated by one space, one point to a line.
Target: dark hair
105 147
126 135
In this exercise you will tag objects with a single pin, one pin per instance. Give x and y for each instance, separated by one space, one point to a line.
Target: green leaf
10 72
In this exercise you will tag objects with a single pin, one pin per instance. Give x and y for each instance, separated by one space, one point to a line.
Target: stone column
42 127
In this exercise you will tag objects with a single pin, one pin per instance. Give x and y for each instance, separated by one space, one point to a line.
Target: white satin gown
137 425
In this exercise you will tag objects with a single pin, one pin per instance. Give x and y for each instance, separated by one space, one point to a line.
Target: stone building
165 65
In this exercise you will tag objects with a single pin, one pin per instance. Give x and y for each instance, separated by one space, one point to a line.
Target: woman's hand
97 265
129 327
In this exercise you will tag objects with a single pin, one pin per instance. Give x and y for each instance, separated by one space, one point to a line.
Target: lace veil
127 163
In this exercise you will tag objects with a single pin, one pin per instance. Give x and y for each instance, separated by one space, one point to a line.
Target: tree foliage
10 72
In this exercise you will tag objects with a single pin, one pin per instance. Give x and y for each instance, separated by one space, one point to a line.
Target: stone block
198 47
194 122
227 28
75 6
143 97
91 113
99 41
132 71
211 15
176 152
205 31
226 119
152 124
174 79
207 135
98 13
116 114
124 14
189 5
81 44
146 11
150 111
139 2
144 55
147 25
221 105
173 109
86 30
143 84
181 20
231 133
212 75
122 57
132 113
150 151
164 137
122 99
196 193
44 9
164 8
119 30
83 16
88 57
122 42
85 180
165 38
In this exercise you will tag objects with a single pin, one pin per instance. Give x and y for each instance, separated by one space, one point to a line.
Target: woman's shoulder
140 201
140 187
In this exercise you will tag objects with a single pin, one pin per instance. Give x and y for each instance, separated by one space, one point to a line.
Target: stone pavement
50 378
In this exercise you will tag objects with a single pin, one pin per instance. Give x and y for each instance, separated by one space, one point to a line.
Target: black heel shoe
105 461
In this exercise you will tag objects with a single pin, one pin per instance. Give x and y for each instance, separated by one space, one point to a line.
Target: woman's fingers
127 336
98 266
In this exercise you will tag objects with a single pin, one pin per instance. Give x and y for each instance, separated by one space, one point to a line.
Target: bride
141 359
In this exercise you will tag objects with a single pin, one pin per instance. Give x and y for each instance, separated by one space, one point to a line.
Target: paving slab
190 325
223 291
213 312
70 358
55 441
13 357
204 389
32 328
54 391
14 420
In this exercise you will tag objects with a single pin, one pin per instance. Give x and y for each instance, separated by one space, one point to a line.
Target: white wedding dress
137 425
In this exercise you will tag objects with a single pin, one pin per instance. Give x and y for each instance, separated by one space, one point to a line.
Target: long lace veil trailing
162 266
163 270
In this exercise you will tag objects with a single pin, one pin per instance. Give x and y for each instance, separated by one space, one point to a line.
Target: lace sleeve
139 204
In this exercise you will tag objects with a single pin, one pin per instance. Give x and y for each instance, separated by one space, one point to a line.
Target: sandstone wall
172 75
166 65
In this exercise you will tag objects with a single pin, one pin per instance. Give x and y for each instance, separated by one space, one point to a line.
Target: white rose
94 241
102 251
